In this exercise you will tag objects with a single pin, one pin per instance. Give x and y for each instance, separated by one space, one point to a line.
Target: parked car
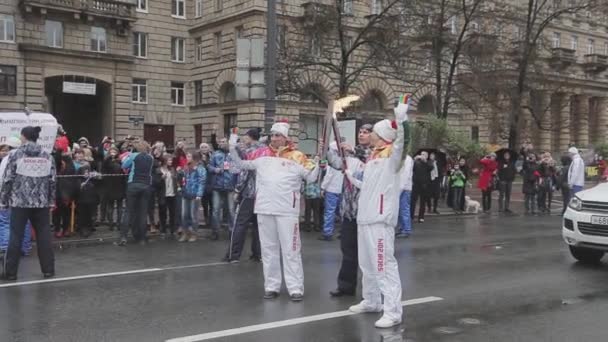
585 224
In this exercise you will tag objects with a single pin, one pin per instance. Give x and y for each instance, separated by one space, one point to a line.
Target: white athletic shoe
386 322
363 308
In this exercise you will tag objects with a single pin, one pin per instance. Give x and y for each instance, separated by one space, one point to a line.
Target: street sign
79 88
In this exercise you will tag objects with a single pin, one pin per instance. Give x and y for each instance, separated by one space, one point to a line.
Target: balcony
518 51
562 57
382 29
595 63
317 15
480 44
123 11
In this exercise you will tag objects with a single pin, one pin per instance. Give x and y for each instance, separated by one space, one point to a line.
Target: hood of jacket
31 149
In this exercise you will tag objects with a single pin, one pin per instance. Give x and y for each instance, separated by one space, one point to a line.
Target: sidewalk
104 236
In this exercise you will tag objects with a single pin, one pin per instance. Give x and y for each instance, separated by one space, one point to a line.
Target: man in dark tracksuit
347 277
245 190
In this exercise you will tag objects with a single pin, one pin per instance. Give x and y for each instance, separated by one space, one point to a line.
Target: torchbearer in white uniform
377 218
280 169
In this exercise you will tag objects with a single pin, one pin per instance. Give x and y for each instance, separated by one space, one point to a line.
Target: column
545 121
581 135
602 120
564 122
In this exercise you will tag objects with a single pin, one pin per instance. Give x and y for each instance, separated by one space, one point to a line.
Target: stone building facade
166 70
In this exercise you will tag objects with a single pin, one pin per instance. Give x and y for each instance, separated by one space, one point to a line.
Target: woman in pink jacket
485 180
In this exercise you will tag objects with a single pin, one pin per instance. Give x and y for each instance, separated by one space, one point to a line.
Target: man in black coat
421 184
506 176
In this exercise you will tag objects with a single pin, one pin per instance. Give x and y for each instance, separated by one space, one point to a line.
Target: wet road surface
499 278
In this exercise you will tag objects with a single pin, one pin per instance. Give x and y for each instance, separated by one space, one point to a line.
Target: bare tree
506 79
337 41
443 31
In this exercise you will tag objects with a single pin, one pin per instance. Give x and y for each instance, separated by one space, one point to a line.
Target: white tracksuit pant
376 244
280 235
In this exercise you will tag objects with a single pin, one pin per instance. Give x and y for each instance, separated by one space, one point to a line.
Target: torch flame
344 102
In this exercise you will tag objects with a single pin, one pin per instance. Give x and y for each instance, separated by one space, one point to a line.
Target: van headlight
576 204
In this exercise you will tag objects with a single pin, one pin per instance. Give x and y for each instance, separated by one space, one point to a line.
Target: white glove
401 112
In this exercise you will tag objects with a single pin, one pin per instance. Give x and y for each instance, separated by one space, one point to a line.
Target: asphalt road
480 278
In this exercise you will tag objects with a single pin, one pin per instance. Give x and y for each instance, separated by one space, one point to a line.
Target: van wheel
586 255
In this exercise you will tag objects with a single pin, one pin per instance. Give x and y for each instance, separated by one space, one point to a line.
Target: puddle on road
469 321
447 330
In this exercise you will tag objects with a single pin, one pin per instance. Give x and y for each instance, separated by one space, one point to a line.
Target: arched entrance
82 105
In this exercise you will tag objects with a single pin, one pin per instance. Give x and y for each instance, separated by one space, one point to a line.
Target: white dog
471 206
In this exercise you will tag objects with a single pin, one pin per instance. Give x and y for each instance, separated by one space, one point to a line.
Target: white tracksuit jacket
576 174
279 176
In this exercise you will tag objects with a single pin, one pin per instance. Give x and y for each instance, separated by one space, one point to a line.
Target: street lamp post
271 66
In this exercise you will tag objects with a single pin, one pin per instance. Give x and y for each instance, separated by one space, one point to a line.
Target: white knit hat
573 150
385 130
281 127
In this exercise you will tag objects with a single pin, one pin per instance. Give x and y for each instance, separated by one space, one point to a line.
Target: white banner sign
11 124
79 88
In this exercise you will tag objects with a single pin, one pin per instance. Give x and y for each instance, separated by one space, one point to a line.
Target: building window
199 49
347 7
198 8
54 33
98 39
8 80
348 42
229 122
557 40
142 6
281 37
198 135
198 92
475 133
217 37
454 25
219 5
591 47
140 91
7 28
315 45
377 6
140 44
177 93
574 45
475 26
178 49
517 33
238 33
310 128
178 8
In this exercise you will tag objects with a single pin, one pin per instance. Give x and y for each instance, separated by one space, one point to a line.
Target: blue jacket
221 179
140 167
194 182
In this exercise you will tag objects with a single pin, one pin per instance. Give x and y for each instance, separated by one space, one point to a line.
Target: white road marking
110 274
286 323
